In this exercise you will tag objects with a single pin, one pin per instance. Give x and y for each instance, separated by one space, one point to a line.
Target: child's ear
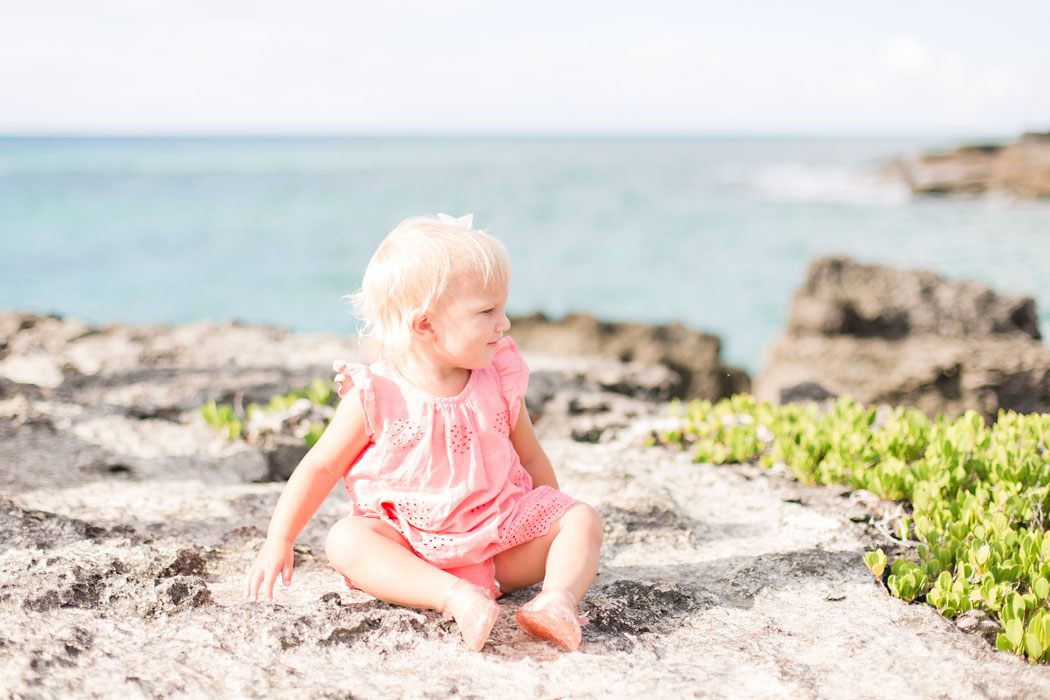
422 327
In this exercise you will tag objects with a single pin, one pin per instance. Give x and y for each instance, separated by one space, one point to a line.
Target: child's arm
531 454
309 485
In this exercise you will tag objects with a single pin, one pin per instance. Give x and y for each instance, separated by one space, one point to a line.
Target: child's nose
504 322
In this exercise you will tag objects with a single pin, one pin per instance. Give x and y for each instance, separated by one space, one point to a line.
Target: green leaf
1017 605
314 433
1015 632
910 584
944 556
944 580
1043 631
1041 587
876 561
900 566
1033 646
210 413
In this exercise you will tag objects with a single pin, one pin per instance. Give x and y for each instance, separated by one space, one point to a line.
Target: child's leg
381 563
566 560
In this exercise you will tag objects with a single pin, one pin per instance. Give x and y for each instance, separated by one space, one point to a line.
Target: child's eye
488 311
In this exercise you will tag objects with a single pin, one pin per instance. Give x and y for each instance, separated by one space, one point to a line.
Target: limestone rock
693 356
125 536
843 298
905 337
1020 168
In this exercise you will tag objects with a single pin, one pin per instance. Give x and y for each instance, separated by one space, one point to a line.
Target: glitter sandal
474 611
551 616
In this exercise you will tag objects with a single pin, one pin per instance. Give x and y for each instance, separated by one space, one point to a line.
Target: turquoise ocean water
715 232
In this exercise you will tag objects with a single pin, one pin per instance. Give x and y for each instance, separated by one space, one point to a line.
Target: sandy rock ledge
126 526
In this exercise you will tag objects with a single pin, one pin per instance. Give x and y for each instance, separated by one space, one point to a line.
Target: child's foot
552 616
474 611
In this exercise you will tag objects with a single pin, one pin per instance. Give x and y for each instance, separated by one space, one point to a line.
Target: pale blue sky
503 67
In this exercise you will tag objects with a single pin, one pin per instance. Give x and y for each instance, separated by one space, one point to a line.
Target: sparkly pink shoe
474 611
551 616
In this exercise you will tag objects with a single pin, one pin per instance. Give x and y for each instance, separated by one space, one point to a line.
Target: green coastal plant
232 424
221 418
975 499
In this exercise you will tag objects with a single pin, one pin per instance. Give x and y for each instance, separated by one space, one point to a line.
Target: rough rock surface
692 356
1021 168
125 534
842 297
907 337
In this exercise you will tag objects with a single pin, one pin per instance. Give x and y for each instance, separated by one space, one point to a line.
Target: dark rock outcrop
907 337
1021 168
693 356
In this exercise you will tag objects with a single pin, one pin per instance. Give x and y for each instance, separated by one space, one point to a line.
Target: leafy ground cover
975 499
303 412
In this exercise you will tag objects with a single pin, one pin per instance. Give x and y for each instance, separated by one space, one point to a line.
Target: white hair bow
466 221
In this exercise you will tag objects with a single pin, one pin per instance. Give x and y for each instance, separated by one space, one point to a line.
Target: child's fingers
254 580
286 574
268 581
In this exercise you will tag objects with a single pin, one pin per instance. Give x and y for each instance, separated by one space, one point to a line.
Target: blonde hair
410 272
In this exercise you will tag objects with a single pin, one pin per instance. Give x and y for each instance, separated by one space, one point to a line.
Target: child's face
468 323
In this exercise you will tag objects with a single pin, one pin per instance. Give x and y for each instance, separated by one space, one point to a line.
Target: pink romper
443 471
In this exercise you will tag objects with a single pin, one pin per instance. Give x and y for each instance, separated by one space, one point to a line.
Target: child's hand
275 557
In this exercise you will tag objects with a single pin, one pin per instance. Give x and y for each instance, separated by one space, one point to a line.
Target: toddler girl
454 500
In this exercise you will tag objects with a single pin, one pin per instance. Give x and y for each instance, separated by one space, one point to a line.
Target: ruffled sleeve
351 374
513 375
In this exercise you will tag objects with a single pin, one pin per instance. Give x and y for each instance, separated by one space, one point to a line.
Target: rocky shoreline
126 524
1020 168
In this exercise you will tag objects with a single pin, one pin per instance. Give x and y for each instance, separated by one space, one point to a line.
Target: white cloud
906 55
913 81
467 65
236 32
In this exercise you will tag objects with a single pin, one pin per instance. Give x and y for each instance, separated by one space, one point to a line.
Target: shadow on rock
649 523
640 598
37 529
638 606
332 623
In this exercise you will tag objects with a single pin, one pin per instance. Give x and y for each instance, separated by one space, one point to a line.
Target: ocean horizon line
801 135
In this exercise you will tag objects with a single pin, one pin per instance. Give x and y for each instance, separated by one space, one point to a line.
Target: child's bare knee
588 520
342 539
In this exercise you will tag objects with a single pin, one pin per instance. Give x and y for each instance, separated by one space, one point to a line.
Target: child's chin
490 352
